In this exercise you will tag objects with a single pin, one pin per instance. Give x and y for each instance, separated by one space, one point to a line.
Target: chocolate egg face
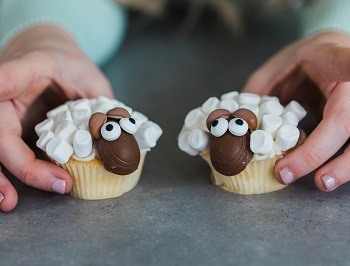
230 154
230 140
121 156
117 148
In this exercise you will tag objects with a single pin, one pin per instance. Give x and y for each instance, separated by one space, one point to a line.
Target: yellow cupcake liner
256 178
91 181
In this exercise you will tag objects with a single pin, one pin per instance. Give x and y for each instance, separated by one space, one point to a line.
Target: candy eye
110 131
128 124
219 127
238 127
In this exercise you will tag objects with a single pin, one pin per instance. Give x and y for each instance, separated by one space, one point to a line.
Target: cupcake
101 142
241 137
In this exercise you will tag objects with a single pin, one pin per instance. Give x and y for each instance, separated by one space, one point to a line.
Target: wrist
39 37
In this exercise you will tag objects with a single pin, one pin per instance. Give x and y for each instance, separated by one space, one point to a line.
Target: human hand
315 71
39 58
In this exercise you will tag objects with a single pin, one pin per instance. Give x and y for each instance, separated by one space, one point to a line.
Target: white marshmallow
210 105
184 143
250 98
261 142
271 107
82 143
103 99
66 130
57 110
270 123
81 116
252 107
195 119
297 109
44 138
82 104
233 95
64 115
59 150
290 118
139 118
145 138
230 105
266 98
45 125
287 137
199 140
83 127
260 157
155 129
103 107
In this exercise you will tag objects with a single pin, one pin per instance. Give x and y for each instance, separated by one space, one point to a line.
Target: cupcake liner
256 178
91 181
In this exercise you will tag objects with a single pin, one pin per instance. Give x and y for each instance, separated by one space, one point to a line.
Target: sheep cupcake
101 142
241 137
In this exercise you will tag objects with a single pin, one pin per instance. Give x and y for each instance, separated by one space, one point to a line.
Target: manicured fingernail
1 197
286 176
59 186
328 182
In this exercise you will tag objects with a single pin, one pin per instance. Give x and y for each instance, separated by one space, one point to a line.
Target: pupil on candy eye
239 122
109 127
132 120
215 123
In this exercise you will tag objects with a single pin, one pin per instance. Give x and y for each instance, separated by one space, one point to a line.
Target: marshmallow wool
70 137
241 136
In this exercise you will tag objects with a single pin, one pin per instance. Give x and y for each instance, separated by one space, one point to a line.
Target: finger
99 85
322 144
8 194
34 172
31 72
335 173
273 71
327 64
87 81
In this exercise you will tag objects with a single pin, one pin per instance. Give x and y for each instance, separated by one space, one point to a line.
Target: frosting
272 129
65 133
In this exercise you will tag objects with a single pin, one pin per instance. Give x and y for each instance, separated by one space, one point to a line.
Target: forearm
97 26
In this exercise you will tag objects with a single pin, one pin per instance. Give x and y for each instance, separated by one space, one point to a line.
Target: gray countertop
175 216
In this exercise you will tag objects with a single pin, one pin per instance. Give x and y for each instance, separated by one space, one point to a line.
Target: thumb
327 65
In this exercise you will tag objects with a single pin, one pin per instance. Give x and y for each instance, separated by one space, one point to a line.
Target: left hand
315 71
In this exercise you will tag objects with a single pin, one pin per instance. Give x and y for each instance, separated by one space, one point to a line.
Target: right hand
39 58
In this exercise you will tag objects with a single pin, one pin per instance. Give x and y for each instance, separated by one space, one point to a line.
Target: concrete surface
175 216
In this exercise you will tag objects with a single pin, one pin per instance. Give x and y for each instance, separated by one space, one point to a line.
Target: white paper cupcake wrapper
256 178
91 181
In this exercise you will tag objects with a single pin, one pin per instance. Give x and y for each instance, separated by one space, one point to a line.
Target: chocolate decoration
121 156
231 154
215 115
118 113
95 123
248 116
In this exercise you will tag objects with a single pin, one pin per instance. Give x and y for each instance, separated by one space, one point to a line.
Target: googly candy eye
219 127
238 127
128 124
110 131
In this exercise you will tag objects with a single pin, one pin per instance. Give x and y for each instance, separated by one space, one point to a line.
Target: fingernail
286 176
59 186
1 197
328 182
